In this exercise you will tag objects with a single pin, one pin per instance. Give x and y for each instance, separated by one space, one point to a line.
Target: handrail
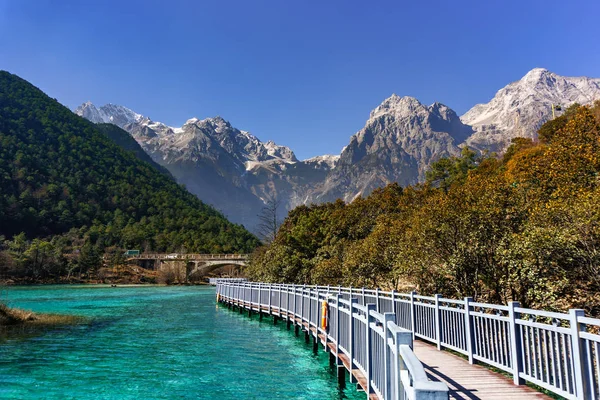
377 350
559 352
186 256
213 281
413 365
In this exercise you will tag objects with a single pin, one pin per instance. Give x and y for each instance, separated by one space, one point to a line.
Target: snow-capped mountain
237 172
109 113
325 161
401 138
224 166
520 108
241 145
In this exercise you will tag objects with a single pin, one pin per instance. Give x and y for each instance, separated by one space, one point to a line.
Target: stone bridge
194 263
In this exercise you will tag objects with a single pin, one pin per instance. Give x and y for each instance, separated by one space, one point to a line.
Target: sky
306 73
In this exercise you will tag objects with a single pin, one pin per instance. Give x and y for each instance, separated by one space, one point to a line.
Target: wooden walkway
465 381
468 381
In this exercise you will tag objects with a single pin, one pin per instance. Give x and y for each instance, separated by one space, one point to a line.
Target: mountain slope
399 141
520 108
236 172
229 168
59 172
126 142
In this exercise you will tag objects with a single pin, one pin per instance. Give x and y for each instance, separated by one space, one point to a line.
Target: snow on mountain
521 107
327 160
109 113
235 171
241 145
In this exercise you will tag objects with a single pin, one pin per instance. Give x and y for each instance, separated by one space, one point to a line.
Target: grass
17 317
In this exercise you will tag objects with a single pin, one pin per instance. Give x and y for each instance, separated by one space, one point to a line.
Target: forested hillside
68 187
125 141
524 227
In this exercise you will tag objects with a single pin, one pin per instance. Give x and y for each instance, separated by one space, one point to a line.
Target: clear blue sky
303 73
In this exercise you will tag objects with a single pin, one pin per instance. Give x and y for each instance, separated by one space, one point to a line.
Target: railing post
377 299
362 293
413 327
318 311
247 294
398 388
302 305
309 306
279 305
401 339
259 293
370 307
351 338
387 317
269 299
469 330
394 302
438 320
294 304
515 342
288 293
337 327
580 366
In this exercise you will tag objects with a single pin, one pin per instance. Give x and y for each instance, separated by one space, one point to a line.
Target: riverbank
119 276
11 317
124 275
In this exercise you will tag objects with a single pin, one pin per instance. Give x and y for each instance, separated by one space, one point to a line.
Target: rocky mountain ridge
521 107
235 171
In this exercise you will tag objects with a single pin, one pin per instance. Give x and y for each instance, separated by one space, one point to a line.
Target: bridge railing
370 341
559 352
213 281
187 256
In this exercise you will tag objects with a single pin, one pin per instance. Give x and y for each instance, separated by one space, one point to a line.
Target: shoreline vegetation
16 317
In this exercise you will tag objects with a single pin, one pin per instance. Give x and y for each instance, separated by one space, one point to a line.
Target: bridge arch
206 268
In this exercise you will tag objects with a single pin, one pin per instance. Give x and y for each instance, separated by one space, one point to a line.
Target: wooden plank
467 381
322 338
331 346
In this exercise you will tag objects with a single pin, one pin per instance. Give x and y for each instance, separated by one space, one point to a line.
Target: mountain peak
537 72
538 76
521 107
218 122
396 105
191 121
108 113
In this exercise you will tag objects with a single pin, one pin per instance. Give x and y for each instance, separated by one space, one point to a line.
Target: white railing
213 281
559 352
186 256
359 332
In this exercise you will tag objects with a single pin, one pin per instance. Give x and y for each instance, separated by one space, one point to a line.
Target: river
157 343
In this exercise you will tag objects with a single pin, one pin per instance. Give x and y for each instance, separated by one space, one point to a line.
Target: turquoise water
157 343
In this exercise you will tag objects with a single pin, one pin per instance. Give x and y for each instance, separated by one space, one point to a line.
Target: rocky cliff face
399 141
226 167
237 173
520 108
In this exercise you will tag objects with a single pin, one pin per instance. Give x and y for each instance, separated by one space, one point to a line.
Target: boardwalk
467 381
395 344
